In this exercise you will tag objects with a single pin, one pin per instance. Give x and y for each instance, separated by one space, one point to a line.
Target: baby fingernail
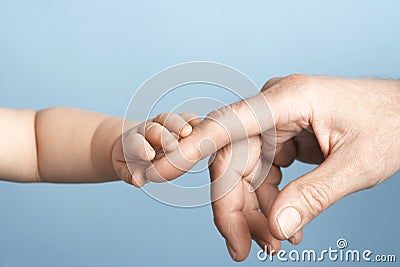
186 130
289 221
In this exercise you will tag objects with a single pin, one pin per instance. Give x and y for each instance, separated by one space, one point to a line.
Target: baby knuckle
188 115
151 126
163 116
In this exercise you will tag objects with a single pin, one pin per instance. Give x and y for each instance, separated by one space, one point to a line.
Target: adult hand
348 126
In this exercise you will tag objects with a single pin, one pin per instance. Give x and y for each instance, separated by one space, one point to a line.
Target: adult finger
266 194
223 126
233 199
286 106
228 215
256 218
285 153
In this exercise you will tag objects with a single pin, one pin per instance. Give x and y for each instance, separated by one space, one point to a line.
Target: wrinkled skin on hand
350 127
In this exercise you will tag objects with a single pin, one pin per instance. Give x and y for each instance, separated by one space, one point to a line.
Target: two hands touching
148 141
349 127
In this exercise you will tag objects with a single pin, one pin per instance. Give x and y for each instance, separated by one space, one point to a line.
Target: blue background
94 54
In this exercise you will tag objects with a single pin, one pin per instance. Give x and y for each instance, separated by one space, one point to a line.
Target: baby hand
148 140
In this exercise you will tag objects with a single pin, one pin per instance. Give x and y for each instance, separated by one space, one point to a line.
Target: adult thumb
303 199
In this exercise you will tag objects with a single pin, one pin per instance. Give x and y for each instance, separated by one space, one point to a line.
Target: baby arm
67 145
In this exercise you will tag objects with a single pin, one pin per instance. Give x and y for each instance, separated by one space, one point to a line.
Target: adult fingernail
231 251
261 242
289 221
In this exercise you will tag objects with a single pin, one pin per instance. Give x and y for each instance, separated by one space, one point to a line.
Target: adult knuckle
222 224
221 157
163 116
229 114
301 85
298 79
269 83
315 197
274 176
218 114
